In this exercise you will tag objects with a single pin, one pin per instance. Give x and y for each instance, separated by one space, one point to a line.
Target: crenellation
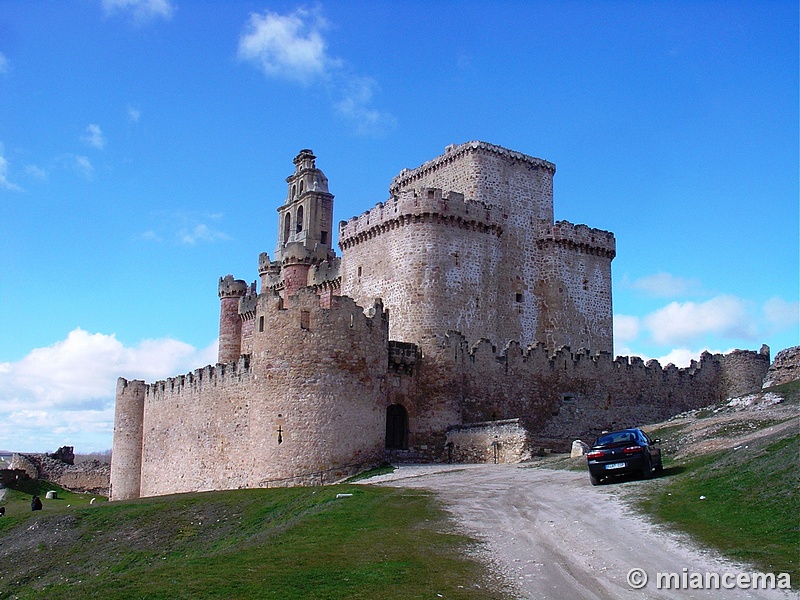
415 206
454 152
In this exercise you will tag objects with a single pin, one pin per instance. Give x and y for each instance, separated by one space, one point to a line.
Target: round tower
230 324
126 455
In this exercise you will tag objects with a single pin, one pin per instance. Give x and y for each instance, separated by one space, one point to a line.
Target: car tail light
593 455
632 450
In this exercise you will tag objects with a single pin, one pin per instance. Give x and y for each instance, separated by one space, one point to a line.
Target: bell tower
305 222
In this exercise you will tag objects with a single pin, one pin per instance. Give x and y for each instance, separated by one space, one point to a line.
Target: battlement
326 274
342 316
208 376
447 208
454 153
740 371
578 237
231 288
247 303
298 253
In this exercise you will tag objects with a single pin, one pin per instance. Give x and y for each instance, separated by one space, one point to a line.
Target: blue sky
144 146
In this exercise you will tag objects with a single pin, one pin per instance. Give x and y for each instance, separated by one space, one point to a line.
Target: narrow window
260 324
352 320
305 319
519 296
287 228
294 191
323 237
359 272
301 187
299 219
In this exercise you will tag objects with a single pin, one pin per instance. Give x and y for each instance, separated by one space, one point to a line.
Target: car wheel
647 469
594 479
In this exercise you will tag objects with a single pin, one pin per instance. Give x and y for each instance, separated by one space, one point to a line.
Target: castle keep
461 322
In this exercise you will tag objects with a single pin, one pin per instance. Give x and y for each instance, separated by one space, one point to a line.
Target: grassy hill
281 543
733 478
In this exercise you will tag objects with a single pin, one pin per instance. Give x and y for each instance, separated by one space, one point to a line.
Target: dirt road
555 536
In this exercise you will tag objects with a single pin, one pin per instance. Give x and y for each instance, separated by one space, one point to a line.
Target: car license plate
615 465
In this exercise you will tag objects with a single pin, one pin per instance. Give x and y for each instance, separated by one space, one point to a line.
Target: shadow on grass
666 472
673 470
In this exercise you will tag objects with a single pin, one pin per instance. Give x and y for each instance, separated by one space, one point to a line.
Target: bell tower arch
306 223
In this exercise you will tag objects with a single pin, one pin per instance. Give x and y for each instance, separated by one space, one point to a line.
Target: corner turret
230 324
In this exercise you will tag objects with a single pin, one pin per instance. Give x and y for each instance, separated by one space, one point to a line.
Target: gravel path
555 536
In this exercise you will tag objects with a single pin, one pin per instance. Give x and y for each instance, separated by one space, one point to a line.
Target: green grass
282 543
18 500
751 506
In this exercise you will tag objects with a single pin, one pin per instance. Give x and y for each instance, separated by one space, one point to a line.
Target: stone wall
22 462
306 407
89 476
490 174
558 396
574 288
743 371
431 258
785 368
490 442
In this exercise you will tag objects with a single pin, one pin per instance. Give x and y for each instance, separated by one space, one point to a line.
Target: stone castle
460 323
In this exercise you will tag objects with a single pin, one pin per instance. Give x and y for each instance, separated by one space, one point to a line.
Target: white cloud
681 357
665 285
190 229
149 236
4 182
94 137
681 323
84 165
356 106
65 392
36 172
134 114
626 329
201 233
4 65
289 46
142 10
293 47
781 314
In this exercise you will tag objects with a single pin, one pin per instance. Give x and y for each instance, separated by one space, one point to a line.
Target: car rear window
619 437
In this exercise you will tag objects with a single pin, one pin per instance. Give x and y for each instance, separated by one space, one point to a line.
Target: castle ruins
460 323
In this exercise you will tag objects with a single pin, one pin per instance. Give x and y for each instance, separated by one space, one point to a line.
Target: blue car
624 452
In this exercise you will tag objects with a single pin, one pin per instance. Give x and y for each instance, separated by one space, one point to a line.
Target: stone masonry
459 323
58 467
